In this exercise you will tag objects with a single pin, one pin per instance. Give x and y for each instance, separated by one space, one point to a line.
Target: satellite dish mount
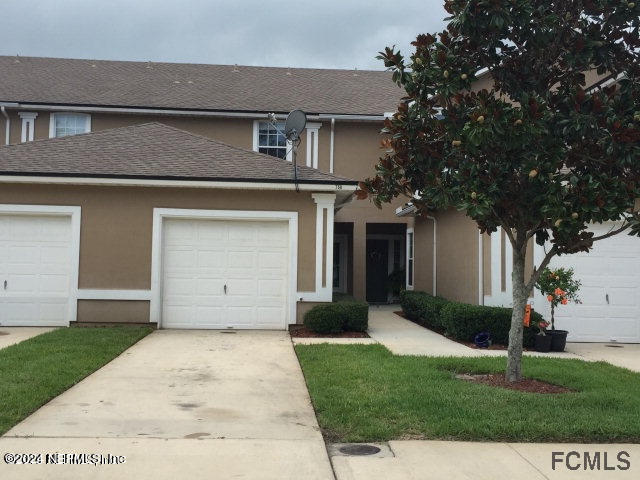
293 127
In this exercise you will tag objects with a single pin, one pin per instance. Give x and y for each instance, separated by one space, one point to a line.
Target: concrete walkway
13 335
438 460
183 404
403 337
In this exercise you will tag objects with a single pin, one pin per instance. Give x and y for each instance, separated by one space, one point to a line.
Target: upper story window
63 124
268 139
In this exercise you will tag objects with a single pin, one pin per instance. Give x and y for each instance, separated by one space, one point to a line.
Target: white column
28 125
324 202
312 144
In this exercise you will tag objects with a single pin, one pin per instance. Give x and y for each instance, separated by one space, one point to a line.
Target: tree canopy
525 115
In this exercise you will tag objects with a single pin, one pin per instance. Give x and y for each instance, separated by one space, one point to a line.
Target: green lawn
36 370
363 393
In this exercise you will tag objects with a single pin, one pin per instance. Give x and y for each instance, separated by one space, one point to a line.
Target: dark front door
377 270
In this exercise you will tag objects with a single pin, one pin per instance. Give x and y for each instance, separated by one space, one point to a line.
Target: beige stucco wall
457 256
356 152
116 232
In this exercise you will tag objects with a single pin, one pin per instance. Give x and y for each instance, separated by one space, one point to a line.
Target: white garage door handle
5 284
607 297
225 289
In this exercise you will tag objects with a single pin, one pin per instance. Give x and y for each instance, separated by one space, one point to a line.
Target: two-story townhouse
139 191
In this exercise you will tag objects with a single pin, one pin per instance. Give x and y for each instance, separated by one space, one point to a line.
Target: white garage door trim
57 210
159 214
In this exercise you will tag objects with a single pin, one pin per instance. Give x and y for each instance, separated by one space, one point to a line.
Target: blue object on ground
483 340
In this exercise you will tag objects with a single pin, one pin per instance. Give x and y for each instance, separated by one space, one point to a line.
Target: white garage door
610 293
225 274
35 270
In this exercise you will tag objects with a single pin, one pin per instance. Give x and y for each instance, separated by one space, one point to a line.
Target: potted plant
543 341
559 286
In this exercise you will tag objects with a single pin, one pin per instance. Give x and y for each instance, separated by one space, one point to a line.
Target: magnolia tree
539 151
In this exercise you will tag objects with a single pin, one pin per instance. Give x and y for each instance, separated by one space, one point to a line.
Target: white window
410 242
64 124
28 125
269 139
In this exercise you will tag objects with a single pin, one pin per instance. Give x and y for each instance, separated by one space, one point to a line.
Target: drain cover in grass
359 449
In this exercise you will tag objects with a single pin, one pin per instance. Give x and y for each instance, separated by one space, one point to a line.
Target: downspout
7 125
435 254
333 124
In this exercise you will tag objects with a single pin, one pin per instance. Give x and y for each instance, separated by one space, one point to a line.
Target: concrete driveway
13 335
183 404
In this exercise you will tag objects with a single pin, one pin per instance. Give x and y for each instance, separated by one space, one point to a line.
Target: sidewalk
439 460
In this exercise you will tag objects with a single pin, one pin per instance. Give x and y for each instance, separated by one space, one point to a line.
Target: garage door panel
249 257
241 259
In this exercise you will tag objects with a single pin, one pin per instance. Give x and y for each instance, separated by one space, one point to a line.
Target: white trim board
159 214
75 214
96 294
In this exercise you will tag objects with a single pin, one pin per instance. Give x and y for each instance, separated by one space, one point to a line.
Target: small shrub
422 307
338 317
356 316
325 318
463 321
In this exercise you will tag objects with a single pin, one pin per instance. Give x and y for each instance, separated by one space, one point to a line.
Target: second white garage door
610 293
225 274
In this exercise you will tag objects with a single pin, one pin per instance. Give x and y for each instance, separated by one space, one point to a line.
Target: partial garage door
35 270
225 274
610 293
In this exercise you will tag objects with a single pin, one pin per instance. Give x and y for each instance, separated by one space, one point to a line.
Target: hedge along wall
463 321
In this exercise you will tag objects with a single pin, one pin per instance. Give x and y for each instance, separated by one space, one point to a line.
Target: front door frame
159 214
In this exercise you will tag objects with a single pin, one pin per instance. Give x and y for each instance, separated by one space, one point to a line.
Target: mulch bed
493 346
525 385
304 332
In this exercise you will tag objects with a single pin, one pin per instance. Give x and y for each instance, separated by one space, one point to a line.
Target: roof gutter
337 187
182 112
7 123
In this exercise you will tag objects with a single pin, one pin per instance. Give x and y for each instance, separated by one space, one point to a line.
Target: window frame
52 123
410 259
256 140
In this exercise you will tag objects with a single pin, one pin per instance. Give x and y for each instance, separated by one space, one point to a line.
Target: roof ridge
164 62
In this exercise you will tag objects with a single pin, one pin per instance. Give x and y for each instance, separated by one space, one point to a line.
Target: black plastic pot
543 343
558 340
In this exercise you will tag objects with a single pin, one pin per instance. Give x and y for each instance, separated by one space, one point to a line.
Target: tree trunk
520 296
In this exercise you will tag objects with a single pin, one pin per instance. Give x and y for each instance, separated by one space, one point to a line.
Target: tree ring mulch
303 332
528 385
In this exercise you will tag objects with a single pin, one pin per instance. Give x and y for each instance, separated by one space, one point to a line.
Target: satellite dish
296 121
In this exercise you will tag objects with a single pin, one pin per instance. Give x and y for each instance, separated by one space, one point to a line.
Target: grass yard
364 393
40 368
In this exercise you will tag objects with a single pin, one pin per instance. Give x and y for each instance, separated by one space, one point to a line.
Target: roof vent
355 72
149 65
176 81
17 60
288 70
235 68
93 65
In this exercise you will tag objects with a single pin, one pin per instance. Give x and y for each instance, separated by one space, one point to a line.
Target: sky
285 33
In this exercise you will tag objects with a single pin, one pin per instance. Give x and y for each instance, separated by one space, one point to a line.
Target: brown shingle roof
151 151
195 86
